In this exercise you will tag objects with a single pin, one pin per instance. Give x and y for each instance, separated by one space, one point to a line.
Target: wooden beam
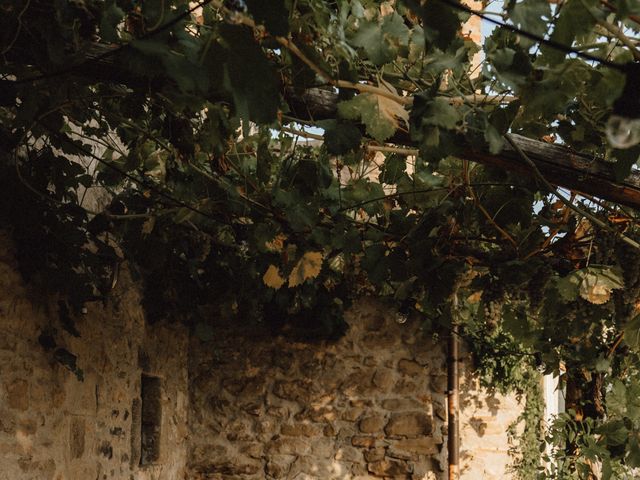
560 165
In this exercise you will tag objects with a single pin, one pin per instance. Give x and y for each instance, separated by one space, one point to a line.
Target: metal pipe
453 434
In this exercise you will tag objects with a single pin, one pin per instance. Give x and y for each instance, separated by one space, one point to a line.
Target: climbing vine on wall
275 159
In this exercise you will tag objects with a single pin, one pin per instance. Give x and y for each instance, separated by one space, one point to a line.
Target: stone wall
371 405
55 427
244 406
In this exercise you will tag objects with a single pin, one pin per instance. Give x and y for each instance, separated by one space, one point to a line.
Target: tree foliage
181 119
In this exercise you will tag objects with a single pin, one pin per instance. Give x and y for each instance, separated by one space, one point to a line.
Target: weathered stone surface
348 454
417 446
259 406
229 468
383 379
300 430
411 368
396 404
374 454
438 383
363 441
18 395
409 424
295 390
379 340
288 446
55 427
372 424
352 414
77 437
389 468
278 466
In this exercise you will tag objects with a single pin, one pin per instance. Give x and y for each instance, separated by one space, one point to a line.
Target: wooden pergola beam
560 165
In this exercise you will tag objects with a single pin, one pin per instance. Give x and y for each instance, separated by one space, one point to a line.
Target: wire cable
537 38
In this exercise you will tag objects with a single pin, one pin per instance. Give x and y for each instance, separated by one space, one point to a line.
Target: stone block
372 424
405 387
300 430
228 469
364 441
352 414
397 404
18 395
383 379
348 454
288 446
410 368
295 390
389 468
409 424
278 466
410 448
374 454
77 430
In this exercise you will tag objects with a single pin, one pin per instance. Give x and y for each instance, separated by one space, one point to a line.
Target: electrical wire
537 38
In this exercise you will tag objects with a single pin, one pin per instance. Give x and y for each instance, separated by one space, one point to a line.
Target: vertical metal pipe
453 437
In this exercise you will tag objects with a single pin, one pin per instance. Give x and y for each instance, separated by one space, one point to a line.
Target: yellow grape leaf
308 266
596 294
475 297
277 244
272 278
391 110
597 284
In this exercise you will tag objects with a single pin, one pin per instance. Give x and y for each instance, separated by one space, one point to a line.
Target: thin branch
18 28
483 210
372 148
620 35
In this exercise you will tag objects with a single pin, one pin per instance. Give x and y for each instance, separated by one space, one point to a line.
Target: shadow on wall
371 405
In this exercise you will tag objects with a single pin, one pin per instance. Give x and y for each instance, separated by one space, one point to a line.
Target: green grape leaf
530 16
340 137
273 14
249 76
393 169
112 15
441 24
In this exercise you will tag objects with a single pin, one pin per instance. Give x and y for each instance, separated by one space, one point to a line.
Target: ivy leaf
272 278
308 267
